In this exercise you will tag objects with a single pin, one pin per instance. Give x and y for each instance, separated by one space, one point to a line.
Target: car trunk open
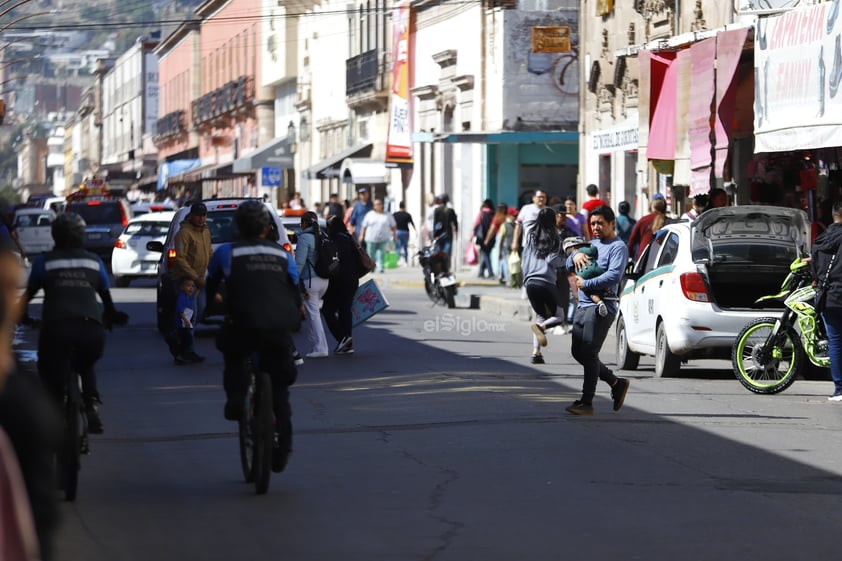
745 252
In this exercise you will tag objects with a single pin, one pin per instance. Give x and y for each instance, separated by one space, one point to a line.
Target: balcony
234 97
171 124
367 80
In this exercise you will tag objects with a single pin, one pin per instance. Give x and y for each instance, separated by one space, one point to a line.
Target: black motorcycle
439 282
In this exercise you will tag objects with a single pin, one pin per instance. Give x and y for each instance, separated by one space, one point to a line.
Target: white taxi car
130 258
694 287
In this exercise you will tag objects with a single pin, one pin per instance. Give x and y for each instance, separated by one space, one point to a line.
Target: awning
502 137
702 62
275 154
364 172
664 86
729 48
330 167
194 174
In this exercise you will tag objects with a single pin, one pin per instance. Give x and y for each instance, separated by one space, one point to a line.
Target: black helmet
68 230
252 218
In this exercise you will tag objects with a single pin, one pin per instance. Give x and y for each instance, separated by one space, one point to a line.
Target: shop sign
616 139
798 84
554 39
604 7
744 7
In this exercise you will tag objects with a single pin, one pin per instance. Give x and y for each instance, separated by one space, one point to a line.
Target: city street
438 441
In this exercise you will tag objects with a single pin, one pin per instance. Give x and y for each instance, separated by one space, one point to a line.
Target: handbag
471 256
367 264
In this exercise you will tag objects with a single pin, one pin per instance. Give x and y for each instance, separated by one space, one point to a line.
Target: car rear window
30 220
221 225
100 213
148 229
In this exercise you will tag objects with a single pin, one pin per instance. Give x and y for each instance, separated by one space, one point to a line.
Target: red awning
702 57
729 47
662 107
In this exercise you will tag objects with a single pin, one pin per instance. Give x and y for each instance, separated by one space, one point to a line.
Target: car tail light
171 254
120 244
693 287
94 203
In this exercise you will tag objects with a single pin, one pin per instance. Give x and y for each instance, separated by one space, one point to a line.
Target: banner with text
399 141
798 74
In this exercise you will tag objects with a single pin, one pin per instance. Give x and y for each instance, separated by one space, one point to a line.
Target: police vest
72 279
260 293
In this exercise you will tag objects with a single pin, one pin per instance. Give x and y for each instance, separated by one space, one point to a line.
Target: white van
34 229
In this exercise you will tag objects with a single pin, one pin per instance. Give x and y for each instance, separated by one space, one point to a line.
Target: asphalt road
438 441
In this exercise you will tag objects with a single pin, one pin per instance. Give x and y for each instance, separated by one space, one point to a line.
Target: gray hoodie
537 270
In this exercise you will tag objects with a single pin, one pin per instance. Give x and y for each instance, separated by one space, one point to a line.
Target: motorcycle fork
771 346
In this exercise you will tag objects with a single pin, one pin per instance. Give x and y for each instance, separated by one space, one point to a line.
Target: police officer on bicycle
263 307
72 321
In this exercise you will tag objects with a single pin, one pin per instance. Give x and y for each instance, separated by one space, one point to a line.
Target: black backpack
327 258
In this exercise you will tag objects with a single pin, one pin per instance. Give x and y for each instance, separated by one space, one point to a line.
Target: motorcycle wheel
430 288
450 296
766 371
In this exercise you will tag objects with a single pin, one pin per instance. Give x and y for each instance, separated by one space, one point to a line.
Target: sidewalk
475 293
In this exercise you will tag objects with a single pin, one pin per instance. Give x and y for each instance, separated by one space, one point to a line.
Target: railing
234 96
361 73
171 124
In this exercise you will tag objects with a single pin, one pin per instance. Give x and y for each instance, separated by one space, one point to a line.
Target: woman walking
306 255
339 297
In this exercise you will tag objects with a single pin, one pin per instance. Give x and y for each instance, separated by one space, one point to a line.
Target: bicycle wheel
764 366
264 434
69 453
246 431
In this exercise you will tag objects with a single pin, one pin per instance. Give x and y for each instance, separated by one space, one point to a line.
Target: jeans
833 324
504 266
377 251
589 333
403 244
485 262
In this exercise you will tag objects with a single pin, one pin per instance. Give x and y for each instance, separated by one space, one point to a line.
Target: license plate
148 267
94 236
447 281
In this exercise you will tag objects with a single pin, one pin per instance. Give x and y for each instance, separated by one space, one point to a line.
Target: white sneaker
316 355
835 397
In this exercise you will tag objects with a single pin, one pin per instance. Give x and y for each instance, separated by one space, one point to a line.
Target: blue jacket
359 212
305 253
613 257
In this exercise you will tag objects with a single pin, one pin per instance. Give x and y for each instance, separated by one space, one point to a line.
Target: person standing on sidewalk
589 327
403 220
827 270
378 229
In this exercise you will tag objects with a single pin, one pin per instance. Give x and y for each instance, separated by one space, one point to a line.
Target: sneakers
195 358
296 357
538 330
602 309
316 355
344 345
621 388
538 359
234 408
94 420
280 457
579 407
181 359
837 396
188 358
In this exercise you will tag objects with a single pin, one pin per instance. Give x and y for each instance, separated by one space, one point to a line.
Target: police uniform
72 318
262 302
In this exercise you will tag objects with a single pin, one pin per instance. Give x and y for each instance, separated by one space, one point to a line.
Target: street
438 441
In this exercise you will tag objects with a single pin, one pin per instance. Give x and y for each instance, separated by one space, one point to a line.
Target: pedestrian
565 283
358 213
575 220
182 336
403 220
646 227
589 327
482 229
443 225
339 297
700 204
296 203
591 271
541 260
526 218
827 270
333 207
625 223
378 228
507 235
28 416
314 286
192 255
591 203
718 198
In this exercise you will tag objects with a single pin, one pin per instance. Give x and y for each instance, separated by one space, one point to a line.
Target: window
670 251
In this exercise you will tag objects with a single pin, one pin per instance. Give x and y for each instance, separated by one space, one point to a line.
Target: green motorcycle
769 352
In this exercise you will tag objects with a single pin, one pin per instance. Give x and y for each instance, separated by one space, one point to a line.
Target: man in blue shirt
590 328
361 208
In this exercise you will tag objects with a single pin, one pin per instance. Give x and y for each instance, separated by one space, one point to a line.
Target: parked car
143 208
694 286
106 217
220 222
131 259
34 227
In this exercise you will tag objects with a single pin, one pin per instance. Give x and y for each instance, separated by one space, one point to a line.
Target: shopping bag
471 257
368 300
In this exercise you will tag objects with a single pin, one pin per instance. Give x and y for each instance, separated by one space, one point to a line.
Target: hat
199 209
512 211
437 199
657 196
362 190
574 241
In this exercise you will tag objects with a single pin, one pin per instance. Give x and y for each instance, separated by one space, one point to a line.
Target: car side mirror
155 246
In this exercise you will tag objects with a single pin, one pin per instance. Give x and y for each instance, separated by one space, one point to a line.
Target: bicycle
769 352
257 436
75 441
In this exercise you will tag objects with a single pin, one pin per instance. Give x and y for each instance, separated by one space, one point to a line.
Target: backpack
482 228
441 222
327 258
